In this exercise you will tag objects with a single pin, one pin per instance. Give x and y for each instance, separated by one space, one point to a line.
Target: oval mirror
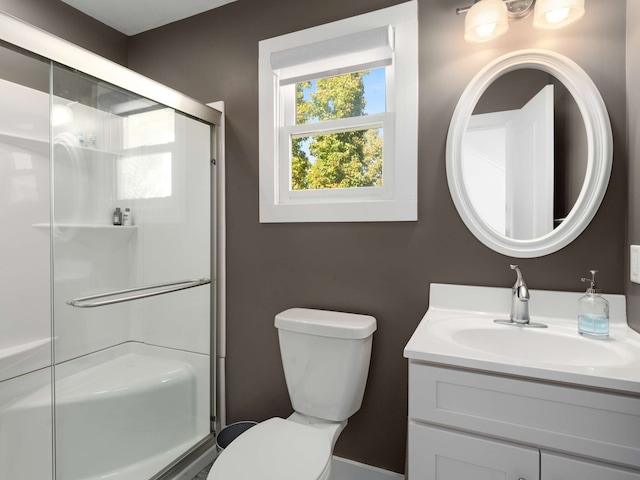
529 153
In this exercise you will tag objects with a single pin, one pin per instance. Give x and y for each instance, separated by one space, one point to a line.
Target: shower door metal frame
50 47
35 40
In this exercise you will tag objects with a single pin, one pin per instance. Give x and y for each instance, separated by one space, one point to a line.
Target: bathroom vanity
490 401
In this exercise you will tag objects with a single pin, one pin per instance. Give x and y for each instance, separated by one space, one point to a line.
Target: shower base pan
126 412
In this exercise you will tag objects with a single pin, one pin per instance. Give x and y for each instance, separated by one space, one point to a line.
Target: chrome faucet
519 305
519 299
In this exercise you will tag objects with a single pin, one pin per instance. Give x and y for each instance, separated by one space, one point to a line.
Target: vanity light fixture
488 19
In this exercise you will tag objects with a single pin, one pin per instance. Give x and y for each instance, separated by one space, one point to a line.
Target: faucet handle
520 287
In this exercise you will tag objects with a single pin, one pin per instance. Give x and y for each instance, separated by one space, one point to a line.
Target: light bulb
486 29
485 20
61 115
558 15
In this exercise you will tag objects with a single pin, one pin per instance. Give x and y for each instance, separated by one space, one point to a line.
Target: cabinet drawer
559 467
598 425
438 454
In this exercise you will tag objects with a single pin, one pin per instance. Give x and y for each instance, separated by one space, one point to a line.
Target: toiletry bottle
117 216
91 140
593 311
127 219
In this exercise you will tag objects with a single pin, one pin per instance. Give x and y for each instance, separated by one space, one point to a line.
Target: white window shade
337 56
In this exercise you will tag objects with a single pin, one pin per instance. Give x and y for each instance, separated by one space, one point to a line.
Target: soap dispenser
593 311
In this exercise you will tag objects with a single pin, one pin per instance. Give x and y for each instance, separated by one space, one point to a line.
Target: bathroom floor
203 474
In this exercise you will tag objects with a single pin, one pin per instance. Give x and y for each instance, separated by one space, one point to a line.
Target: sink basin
459 330
549 346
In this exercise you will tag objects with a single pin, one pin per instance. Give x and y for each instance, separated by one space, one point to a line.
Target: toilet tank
325 356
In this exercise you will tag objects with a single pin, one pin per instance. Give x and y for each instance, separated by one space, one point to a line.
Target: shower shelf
96 235
38 144
87 226
122 152
97 152
108 153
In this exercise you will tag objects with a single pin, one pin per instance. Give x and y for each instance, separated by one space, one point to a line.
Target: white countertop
458 330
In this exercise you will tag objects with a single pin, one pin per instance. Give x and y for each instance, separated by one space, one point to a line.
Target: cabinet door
559 467
439 454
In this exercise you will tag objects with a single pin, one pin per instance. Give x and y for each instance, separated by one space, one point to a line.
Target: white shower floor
140 405
123 413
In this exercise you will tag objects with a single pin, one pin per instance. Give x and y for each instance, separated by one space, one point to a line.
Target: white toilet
325 356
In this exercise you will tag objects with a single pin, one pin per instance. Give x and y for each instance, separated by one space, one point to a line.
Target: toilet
325 356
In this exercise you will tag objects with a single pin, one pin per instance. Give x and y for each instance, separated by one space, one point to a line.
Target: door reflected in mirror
524 154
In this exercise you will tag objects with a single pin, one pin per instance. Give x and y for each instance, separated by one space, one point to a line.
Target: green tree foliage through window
336 160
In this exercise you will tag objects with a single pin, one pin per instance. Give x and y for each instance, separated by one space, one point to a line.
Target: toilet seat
275 449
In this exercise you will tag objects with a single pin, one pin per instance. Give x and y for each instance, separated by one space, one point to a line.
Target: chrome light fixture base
519 9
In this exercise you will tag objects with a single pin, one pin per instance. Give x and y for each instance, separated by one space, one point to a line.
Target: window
338 120
146 169
349 155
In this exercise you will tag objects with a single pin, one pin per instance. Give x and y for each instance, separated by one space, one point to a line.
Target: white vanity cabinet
465 424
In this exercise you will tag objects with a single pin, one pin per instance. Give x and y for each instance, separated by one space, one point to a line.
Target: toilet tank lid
325 323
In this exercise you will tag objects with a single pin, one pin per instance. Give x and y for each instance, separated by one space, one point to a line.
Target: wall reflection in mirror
524 154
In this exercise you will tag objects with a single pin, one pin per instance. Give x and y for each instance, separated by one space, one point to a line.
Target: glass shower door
25 318
131 269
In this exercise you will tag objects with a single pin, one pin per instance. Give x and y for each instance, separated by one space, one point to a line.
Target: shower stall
108 266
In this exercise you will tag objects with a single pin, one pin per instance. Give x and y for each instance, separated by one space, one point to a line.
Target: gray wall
60 19
633 129
28 70
382 269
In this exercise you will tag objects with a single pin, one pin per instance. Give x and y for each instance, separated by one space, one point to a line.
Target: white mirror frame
599 143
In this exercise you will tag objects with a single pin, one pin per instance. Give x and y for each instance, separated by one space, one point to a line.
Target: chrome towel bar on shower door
146 291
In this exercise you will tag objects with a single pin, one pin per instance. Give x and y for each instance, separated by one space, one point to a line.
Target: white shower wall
25 328
25 286
167 242
174 244
92 256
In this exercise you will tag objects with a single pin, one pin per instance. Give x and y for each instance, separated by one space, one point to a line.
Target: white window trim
396 200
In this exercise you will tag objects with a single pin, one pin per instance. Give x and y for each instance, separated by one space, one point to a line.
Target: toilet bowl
325 356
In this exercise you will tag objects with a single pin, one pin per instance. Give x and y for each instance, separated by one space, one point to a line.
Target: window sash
336 125
287 100
285 194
